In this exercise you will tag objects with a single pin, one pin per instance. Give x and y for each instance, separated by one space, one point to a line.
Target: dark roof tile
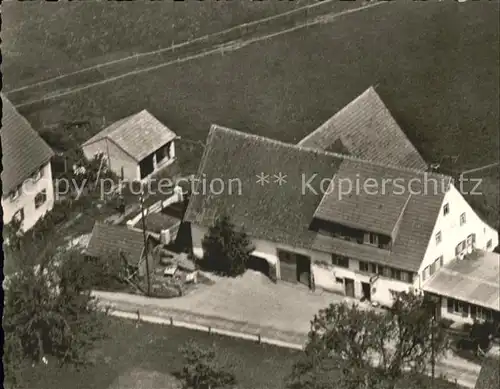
284 213
24 152
139 135
109 240
366 128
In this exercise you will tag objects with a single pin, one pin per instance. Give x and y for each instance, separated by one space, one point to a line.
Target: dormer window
446 209
15 194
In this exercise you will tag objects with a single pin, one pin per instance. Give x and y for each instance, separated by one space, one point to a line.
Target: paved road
253 305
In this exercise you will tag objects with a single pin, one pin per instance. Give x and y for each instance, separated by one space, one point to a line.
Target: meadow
155 348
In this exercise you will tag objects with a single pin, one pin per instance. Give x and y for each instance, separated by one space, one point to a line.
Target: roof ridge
215 127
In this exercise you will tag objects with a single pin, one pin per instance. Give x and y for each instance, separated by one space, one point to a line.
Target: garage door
288 266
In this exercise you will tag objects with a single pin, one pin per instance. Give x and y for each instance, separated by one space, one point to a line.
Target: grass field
42 40
435 65
155 348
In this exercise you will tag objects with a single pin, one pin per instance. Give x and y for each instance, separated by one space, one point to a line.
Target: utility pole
433 361
145 243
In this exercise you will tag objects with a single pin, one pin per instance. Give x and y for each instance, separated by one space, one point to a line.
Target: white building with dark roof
388 232
27 188
135 147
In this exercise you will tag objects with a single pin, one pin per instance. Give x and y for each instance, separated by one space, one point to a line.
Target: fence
158 206
209 329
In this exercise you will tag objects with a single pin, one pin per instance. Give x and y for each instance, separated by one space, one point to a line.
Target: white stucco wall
26 200
452 233
325 275
116 158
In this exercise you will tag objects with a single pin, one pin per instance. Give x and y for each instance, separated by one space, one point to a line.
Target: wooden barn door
304 270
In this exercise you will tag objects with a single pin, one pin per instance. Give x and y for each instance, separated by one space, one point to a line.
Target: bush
226 250
201 369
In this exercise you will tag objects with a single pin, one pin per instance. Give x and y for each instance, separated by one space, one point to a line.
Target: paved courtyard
251 298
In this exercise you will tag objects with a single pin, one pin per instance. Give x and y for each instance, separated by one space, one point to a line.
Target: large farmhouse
337 222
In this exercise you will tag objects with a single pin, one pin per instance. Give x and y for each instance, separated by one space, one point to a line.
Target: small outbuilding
135 147
108 240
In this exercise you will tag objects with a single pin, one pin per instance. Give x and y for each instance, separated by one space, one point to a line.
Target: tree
201 369
225 249
481 334
49 311
363 348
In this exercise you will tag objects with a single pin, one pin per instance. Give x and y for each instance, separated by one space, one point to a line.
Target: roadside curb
199 327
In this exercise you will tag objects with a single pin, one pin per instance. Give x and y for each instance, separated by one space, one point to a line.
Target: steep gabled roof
366 128
138 135
283 213
24 152
109 240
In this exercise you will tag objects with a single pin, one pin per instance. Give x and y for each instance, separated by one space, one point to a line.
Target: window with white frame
373 238
446 209
432 268
471 240
40 198
462 219
363 266
460 248
425 273
438 237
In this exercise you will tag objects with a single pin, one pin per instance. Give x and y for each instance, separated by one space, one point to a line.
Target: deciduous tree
49 311
361 348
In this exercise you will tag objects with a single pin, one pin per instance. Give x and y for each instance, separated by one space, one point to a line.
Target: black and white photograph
250 194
